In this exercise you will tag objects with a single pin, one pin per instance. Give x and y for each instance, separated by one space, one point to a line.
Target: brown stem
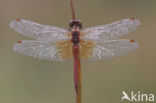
72 9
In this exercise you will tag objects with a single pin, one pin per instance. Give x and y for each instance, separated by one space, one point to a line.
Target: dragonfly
91 44
58 44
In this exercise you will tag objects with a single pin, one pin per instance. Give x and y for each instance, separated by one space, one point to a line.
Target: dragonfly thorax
75 37
75 23
75 33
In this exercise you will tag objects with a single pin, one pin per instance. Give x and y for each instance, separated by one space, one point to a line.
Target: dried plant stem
72 9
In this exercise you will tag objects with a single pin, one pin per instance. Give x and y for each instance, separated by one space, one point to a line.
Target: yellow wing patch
86 49
65 49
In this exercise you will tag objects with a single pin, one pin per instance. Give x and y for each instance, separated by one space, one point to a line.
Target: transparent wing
38 31
110 49
42 50
111 31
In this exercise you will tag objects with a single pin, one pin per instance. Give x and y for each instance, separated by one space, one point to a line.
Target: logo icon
137 97
125 96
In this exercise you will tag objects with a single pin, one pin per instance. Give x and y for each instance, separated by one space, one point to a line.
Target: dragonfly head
75 23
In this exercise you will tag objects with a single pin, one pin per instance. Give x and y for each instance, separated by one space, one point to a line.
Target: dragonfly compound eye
76 23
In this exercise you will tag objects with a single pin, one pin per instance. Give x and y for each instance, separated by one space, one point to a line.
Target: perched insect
58 44
91 44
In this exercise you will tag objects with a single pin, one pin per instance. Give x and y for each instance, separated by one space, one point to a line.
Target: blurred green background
27 80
